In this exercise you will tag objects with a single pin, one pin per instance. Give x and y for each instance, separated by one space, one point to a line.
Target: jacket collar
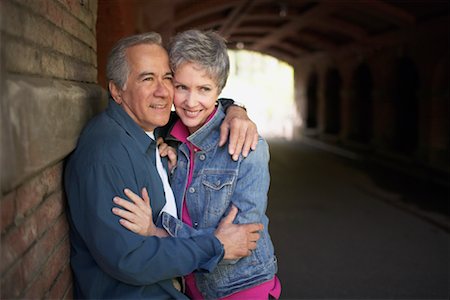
207 136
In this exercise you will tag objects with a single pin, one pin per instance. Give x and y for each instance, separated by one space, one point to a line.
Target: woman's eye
205 89
180 87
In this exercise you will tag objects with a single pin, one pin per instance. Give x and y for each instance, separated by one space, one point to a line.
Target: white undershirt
170 206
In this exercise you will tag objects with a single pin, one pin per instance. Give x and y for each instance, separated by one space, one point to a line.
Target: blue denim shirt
218 182
109 261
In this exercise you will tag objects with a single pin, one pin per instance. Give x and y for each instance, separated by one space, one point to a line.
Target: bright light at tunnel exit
266 86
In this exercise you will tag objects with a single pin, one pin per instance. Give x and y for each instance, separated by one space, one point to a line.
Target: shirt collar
116 112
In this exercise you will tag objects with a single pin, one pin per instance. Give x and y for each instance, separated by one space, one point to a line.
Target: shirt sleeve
122 254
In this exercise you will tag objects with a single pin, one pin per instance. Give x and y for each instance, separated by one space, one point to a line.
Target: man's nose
162 90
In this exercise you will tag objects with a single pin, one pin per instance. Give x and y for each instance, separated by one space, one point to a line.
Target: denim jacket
218 182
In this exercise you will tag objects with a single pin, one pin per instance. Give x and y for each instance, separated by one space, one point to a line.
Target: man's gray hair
204 48
117 68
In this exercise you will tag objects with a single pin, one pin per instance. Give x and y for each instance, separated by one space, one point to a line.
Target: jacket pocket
218 188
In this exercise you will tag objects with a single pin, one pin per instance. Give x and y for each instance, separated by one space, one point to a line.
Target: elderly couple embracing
170 205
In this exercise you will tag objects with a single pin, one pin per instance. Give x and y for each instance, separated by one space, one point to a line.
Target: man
116 150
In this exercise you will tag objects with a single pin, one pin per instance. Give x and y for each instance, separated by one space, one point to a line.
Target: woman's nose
190 100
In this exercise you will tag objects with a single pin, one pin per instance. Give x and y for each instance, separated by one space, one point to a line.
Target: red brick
69 293
17 241
52 268
62 284
13 283
52 178
48 212
39 253
8 210
29 195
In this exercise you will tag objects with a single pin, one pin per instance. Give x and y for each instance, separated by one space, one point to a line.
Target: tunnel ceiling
294 29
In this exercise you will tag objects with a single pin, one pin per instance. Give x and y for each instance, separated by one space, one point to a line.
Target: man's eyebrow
143 74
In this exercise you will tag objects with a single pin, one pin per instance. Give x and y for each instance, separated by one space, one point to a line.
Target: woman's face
195 95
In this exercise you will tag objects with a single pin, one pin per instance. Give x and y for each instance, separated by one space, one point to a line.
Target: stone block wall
426 61
49 90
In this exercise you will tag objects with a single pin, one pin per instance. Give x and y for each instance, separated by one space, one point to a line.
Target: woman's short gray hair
117 68
204 48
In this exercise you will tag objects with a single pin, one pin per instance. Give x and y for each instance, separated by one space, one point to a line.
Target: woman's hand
137 215
166 150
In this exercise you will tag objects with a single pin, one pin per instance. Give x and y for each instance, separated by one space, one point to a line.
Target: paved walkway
336 236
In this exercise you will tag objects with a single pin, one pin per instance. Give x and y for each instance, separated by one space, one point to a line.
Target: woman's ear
115 92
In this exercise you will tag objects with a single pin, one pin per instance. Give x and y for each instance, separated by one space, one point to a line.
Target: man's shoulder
103 139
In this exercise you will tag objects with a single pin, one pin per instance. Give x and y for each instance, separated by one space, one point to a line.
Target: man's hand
137 215
238 240
242 131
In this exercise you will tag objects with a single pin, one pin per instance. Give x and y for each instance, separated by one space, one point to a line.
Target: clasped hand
238 240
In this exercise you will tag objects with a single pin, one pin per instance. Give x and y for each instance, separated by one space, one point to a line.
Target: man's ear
115 92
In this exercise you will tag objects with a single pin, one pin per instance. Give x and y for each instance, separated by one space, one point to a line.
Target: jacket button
195 224
202 157
191 190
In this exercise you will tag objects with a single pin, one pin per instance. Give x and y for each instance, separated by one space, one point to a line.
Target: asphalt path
337 235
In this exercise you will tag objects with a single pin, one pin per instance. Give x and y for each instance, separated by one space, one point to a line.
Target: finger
255 140
252 246
239 145
224 131
159 141
133 197
130 217
249 142
233 140
255 227
163 148
125 204
172 157
129 226
253 237
231 215
145 196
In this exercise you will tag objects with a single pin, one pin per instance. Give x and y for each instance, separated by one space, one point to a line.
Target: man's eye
180 87
148 78
170 78
205 89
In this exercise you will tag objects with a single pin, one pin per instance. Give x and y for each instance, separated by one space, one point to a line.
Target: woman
207 182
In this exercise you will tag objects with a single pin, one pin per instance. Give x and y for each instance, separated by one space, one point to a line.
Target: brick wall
48 86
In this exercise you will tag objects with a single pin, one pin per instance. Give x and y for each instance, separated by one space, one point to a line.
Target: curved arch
440 110
312 102
333 85
361 109
406 106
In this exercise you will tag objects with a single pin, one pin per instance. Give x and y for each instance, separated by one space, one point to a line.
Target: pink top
271 287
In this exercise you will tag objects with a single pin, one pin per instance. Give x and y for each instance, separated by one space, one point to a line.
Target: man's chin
163 122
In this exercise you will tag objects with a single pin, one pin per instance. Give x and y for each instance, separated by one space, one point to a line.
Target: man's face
148 93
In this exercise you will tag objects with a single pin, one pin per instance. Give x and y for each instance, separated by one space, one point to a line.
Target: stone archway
332 94
440 110
406 106
361 127
312 101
